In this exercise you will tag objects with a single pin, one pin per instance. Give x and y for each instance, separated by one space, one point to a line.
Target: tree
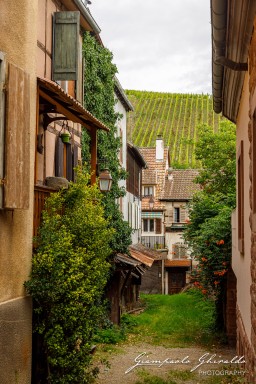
99 99
70 269
208 232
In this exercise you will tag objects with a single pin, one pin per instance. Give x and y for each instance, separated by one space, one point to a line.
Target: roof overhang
177 263
53 99
137 154
122 96
86 19
232 24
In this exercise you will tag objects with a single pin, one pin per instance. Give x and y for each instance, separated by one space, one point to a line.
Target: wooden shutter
240 208
17 157
158 226
182 214
65 45
2 115
59 151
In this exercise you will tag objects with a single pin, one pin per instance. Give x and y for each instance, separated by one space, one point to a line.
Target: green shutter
65 45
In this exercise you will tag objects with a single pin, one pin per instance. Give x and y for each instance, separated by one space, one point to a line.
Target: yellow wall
18 40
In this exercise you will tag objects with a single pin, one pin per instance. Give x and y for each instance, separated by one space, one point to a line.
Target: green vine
99 99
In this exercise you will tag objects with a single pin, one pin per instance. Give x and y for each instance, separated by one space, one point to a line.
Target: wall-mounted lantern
105 180
151 202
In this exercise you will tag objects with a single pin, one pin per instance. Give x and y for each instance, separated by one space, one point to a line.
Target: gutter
87 15
219 25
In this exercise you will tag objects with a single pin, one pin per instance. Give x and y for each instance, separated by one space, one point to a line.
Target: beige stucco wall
241 263
18 40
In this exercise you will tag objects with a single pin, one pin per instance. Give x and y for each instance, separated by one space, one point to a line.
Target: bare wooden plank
17 159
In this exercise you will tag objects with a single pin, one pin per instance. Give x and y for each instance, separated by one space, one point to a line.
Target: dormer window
148 191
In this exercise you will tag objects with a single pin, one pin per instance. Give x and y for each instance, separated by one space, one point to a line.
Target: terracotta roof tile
181 186
145 254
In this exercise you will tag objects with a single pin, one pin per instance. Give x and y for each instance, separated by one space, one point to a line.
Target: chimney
169 174
159 149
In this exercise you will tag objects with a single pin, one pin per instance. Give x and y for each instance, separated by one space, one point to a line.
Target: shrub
69 273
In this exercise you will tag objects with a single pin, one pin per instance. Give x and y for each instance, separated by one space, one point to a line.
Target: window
176 215
149 190
240 208
179 251
148 225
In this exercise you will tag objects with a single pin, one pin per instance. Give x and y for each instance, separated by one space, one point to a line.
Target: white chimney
159 149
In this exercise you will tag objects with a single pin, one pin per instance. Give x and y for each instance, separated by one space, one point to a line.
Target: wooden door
176 280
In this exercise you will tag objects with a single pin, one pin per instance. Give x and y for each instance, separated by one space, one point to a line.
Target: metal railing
156 242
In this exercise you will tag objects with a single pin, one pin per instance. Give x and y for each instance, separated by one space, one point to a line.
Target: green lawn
176 320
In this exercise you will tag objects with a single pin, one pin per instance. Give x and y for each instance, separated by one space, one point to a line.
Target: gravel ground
170 359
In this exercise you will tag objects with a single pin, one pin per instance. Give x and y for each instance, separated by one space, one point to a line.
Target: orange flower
216 282
204 291
220 242
204 259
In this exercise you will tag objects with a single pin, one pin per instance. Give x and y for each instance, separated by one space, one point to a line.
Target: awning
53 99
151 215
177 263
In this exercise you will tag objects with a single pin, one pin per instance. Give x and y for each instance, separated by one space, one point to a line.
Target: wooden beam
64 111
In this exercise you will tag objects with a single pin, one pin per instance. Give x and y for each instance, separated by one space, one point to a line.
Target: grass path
172 335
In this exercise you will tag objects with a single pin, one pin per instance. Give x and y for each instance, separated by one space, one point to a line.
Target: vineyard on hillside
176 117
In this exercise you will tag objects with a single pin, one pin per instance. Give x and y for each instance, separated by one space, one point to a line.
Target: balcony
40 195
155 242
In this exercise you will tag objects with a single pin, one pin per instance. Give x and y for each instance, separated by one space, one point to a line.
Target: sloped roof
146 255
61 102
181 186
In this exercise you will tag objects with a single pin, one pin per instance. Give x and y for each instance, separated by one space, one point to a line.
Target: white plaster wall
121 127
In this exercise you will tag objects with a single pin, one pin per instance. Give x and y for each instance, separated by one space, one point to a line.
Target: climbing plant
208 231
99 99
69 272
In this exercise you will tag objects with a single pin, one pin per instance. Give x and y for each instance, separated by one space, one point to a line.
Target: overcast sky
158 45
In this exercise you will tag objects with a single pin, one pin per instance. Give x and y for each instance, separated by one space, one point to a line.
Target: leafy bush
113 334
69 273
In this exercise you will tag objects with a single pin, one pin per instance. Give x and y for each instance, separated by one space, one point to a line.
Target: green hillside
174 116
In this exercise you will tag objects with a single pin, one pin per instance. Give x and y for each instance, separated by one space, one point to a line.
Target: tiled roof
177 263
146 255
181 186
158 205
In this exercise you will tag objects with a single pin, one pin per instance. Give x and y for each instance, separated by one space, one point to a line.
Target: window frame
149 188
176 215
148 225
